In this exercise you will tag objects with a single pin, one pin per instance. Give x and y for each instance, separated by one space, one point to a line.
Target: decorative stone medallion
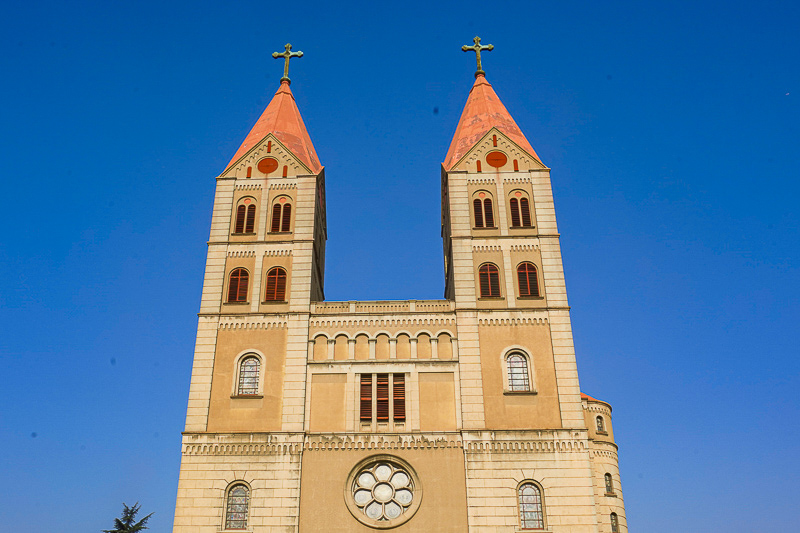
383 491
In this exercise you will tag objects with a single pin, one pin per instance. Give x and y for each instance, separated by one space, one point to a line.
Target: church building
460 415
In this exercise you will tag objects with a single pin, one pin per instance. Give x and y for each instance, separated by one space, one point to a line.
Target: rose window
383 492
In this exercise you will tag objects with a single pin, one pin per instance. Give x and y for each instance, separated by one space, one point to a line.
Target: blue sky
672 131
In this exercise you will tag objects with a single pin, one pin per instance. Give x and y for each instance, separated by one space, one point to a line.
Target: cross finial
477 48
288 54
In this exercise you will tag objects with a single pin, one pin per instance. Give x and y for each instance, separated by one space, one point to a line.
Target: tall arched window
248 376
489 278
484 215
531 509
520 211
527 279
281 216
237 506
609 483
518 380
276 285
601 424
237 285
614 523
245 217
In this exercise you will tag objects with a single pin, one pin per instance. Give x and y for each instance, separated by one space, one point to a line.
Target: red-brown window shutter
489 278
382 398
286 219
399 397
240 216
276 285
251 219
366 398
514 213
276 218
526 212
488 214
237 285
528 281
478 213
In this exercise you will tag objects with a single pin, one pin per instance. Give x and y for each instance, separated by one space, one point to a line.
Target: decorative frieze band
525 248
485 249
517 180
526 446
282 186
480 181
248 187
245 253
250 323
382 322
270 253
512 321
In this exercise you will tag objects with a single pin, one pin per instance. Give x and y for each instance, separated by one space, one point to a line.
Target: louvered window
489 278
276 285
276 218
237 507
248 376
488 214
241 214
366 398
237 286
389 394
515 218
249 226
531 510
382 398
518 380
525 208
477 205
528 280
399 397
286 219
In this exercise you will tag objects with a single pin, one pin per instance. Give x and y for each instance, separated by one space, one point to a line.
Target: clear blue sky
672 130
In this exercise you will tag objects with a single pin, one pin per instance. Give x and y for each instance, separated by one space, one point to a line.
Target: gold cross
288 54
477 47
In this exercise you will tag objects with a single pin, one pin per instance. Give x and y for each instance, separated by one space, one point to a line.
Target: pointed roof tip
482 112
282 119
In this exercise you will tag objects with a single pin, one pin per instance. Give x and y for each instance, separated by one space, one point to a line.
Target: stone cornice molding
244 253
248 186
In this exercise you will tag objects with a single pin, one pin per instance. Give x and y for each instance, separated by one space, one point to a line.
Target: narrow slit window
241 214
531 511
601 425
525 208
250 223
488 214
478 207
614 523
609 483
366 398
276 285
248 376
237 507
399 397
528 280
515 218
237 285
489 278
382 398
286 218
276 218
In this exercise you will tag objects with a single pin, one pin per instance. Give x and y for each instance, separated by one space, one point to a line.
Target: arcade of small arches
382 345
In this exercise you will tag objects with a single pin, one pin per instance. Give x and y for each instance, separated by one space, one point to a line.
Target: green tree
127 523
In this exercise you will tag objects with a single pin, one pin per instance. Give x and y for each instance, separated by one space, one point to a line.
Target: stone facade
484 401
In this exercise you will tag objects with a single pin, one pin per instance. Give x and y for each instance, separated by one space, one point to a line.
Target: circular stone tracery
383 492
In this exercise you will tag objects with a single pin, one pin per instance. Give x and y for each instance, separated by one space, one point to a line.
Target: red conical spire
282 119
482 112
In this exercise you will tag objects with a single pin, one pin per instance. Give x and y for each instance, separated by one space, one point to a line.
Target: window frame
613 518
277 278
525 354
528 296
542 509
227 503
281 215
238 289
370 407
600 425
488 265
482 206
608 483
250 213
236 382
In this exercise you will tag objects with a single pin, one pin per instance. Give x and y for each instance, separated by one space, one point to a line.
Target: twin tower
430 416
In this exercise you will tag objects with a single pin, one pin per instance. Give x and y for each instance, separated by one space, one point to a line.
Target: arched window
248 376
531 511
609 483
237 506
276 285
281 216
484 215
245 217
528 281
601 425
520 211
237 286
614 523
517 365
489 278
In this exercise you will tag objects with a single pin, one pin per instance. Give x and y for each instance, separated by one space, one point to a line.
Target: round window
383 491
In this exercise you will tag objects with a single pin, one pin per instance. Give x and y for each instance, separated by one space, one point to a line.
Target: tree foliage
127 523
